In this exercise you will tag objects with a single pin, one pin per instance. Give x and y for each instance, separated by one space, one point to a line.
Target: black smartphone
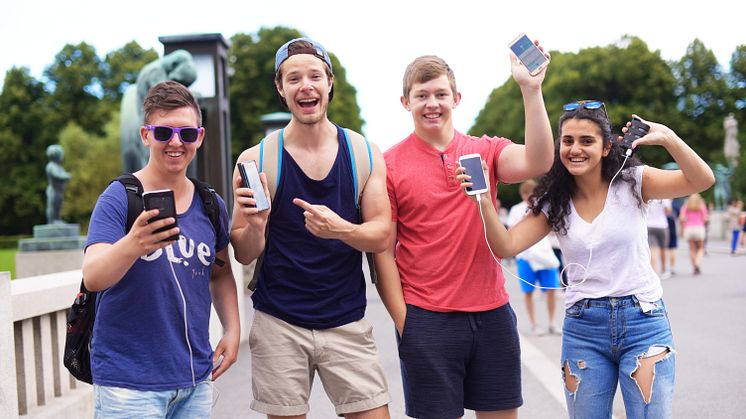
163 200
250 176
636 130
473 165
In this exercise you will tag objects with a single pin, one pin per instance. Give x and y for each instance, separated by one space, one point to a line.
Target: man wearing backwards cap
310 296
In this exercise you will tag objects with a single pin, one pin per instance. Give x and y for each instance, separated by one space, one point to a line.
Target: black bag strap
134 197
210 200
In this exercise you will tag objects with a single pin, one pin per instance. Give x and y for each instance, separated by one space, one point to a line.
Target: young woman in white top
594 198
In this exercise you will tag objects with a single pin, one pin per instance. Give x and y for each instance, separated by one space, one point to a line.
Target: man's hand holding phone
143 233
252 194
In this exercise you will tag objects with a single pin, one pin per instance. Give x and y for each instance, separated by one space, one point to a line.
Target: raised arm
693 176
534 158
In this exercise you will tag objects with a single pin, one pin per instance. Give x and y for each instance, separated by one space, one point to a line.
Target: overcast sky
375 40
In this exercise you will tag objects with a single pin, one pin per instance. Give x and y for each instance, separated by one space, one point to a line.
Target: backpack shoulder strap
270 159
210 200
212 207
362 167
270 162
134 197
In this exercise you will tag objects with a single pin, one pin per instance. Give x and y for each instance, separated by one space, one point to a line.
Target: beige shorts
694 233
285 358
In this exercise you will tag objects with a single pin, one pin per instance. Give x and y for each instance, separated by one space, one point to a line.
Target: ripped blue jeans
611 340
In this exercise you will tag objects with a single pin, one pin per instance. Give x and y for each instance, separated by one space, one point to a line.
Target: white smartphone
473 165
529 54
250 176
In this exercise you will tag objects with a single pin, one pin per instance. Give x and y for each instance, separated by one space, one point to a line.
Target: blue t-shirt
139 338
305 280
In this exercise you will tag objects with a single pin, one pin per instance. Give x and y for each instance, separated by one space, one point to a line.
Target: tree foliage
92 162
24 137
75 76
120 69
703 100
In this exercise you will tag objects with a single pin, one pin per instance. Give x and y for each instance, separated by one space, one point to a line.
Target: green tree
343 109
75 77
121 67
702 93
93 162
25 133
737 84
252 88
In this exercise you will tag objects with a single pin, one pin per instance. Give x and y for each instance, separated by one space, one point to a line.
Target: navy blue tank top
305 280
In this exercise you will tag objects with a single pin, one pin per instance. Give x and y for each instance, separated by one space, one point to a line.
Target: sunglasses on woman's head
163 133
587 104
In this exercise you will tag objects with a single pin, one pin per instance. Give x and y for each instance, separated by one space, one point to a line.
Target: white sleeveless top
617 243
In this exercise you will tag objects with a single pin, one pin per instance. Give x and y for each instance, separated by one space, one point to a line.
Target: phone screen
250 176
163 200
529 54
473 166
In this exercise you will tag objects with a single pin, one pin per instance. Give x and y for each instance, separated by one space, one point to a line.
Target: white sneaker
554 330
538 331
666 275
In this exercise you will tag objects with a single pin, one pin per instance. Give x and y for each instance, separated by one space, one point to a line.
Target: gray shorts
658 237
285 358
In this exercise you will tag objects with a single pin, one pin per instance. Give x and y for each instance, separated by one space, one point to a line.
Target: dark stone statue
57 178
722 189
178 66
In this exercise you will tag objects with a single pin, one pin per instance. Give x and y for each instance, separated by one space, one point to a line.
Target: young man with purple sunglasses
151 354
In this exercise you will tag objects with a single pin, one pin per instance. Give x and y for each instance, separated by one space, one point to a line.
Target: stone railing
33 314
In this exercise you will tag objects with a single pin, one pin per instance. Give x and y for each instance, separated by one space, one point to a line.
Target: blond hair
694 202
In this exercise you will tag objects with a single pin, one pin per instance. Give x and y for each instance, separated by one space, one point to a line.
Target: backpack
82 314
271 165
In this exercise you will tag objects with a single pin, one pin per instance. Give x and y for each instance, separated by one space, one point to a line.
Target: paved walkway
542 385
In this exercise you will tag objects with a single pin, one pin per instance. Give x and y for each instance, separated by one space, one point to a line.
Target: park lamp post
214 161
274 121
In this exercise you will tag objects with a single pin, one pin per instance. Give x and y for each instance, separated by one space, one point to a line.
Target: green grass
8 261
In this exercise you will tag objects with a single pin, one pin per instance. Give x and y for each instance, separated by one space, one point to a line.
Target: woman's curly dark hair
556 187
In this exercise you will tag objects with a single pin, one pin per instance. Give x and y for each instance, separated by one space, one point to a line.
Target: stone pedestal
54 248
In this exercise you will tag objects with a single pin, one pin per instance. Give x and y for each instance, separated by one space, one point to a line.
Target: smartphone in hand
473 165
636 130
163 200
529 54
250 176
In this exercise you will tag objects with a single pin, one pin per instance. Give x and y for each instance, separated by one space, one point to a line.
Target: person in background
658 210
694 217
734 211
536 265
